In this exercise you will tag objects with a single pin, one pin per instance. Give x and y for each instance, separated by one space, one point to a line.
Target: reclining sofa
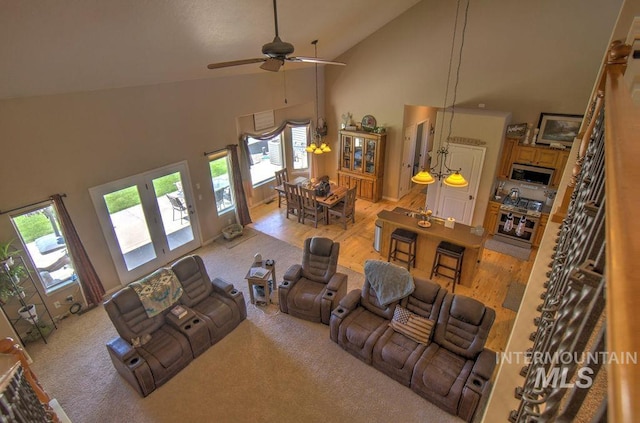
151 350
451 368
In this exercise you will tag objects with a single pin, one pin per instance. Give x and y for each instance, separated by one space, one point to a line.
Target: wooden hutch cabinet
361 163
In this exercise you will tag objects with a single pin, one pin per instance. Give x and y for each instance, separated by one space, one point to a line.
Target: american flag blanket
411 325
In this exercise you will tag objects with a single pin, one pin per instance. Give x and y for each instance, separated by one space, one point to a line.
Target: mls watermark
552 370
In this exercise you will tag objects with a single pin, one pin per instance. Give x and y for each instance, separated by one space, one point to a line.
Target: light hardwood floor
490 283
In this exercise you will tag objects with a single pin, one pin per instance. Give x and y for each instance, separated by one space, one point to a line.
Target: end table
253 279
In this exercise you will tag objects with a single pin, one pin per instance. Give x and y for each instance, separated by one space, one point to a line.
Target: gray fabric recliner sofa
453 370
169 344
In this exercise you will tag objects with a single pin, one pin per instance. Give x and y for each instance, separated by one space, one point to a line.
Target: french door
148 220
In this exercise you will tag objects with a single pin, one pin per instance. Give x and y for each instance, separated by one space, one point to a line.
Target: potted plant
12 272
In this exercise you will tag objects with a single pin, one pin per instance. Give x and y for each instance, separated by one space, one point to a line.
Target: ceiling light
440 170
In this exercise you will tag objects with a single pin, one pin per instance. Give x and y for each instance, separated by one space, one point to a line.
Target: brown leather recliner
395 354
359 321
455 369
217 302
311 290
148 366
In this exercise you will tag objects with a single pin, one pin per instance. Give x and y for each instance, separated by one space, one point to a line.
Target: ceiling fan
276 53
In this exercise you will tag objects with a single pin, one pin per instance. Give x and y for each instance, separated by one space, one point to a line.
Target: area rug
514 296
247 233
504 248
271 368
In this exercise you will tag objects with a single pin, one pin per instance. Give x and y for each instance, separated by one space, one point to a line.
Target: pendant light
440 170
321 126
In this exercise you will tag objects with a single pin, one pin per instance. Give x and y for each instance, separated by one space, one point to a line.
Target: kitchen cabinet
24 308
537 156
513 152
491 217
537 237
505 162
561 163
361 163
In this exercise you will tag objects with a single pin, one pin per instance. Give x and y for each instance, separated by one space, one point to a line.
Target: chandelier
317 146
440 170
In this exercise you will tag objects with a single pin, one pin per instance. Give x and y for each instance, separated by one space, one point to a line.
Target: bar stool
406 237
449 250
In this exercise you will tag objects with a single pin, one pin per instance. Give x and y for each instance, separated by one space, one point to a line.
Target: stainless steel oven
517 223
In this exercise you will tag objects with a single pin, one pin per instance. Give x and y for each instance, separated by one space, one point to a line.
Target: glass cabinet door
370 157
358 147
346 153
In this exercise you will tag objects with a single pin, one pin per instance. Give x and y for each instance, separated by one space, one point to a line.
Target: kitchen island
429 238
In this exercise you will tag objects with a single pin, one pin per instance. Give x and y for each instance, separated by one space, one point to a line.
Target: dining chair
282 176
310 206
292 193
345 209
178 206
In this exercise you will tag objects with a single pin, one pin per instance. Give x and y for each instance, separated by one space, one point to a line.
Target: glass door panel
173 209
130 226
346 153
370 158
358 146
144 228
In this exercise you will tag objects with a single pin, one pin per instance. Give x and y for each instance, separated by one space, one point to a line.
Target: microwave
532 174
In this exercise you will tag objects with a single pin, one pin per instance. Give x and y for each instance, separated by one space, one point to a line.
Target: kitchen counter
429 238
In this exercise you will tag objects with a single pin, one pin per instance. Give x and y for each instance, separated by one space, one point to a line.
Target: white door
408 151
459 203
148 219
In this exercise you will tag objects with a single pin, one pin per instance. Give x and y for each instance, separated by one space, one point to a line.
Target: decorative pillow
411 325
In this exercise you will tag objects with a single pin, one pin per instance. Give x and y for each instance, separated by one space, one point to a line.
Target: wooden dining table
336 194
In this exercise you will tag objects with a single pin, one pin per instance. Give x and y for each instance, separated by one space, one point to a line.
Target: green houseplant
12 272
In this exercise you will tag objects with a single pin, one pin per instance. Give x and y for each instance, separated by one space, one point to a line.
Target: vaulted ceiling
52 47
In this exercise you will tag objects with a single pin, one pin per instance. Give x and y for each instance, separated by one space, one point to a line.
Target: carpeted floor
504 248
273 367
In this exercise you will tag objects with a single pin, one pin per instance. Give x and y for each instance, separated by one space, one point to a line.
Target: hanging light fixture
317 146
440 170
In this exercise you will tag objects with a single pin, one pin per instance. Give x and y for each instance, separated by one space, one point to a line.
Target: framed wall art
517 130
558 128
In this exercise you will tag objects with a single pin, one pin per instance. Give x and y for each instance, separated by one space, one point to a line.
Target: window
266 158
220 177
284 150
40 233
298 146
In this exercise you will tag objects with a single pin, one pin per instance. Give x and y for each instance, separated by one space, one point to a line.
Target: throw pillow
411 325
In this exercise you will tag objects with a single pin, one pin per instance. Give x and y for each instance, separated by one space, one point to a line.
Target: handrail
622 150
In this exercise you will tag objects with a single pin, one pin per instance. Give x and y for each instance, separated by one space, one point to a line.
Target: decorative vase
29 313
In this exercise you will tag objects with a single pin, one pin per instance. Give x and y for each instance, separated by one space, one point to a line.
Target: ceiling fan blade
314 60
235 63
272 64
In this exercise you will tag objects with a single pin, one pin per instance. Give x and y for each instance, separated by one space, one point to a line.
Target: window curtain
247 161
242 208
89 280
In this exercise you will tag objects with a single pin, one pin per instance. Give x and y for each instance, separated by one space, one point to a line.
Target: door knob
471 197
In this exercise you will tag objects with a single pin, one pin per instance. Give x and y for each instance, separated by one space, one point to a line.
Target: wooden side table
263 281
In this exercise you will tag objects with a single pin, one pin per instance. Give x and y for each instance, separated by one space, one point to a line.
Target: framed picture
558 128
517 130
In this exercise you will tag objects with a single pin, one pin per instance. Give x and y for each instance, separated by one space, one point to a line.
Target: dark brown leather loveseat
151 350
452 370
